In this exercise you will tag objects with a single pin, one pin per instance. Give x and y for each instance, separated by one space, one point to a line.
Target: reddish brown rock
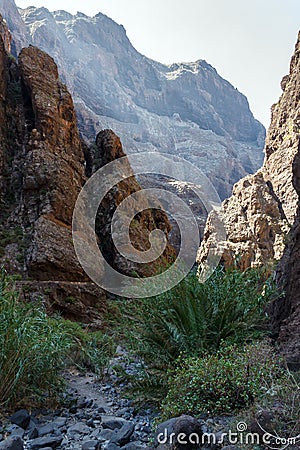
81 302
3 86
42 164
5 35
109 148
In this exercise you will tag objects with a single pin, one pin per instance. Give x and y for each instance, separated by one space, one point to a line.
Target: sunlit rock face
262 216
184 109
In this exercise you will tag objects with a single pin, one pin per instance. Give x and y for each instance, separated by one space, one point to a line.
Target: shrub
34 348
225 382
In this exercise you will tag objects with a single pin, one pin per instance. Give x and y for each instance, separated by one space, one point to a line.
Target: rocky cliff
145 218
42 170
184 109
263 208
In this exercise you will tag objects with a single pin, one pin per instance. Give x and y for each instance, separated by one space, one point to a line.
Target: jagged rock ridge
42 170
185 109
263 208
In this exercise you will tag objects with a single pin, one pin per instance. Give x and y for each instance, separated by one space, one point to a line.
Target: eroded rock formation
262 216
263 206
43 166
144 218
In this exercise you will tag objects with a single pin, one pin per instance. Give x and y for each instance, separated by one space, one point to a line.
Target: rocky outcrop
3 64
43 167
263 206
285 312
185 109
184 191
5 35
144 218
262 216
53 171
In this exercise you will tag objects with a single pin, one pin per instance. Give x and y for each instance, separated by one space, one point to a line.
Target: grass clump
34 348
226 382
194 318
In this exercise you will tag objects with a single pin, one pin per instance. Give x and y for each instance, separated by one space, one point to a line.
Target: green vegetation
193 320
34 348
203 348
281 405
225 382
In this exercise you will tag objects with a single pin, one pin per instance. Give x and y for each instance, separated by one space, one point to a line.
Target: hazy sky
250 43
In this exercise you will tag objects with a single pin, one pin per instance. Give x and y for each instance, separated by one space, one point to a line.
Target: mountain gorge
117 342
183 109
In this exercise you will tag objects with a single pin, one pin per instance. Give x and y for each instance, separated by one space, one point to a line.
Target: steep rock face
184 191
263 206
5 34
144 218
3 64
11 14
185 109
286 311
42 169
53 168
43 162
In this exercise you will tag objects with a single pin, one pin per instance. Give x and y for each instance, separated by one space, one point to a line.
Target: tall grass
34 348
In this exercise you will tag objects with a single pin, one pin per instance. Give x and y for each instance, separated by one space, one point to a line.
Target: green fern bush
194 318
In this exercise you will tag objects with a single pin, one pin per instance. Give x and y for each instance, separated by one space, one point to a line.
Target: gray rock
111 446
85 403
112 422
101 410
105 435
122 436
15 430
48 441
91 445
46 429
126 413
133 446
180 428
79 428
59 422
90 423
33 433
12 443
21 418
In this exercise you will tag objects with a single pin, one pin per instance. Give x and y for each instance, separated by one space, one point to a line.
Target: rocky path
96 417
